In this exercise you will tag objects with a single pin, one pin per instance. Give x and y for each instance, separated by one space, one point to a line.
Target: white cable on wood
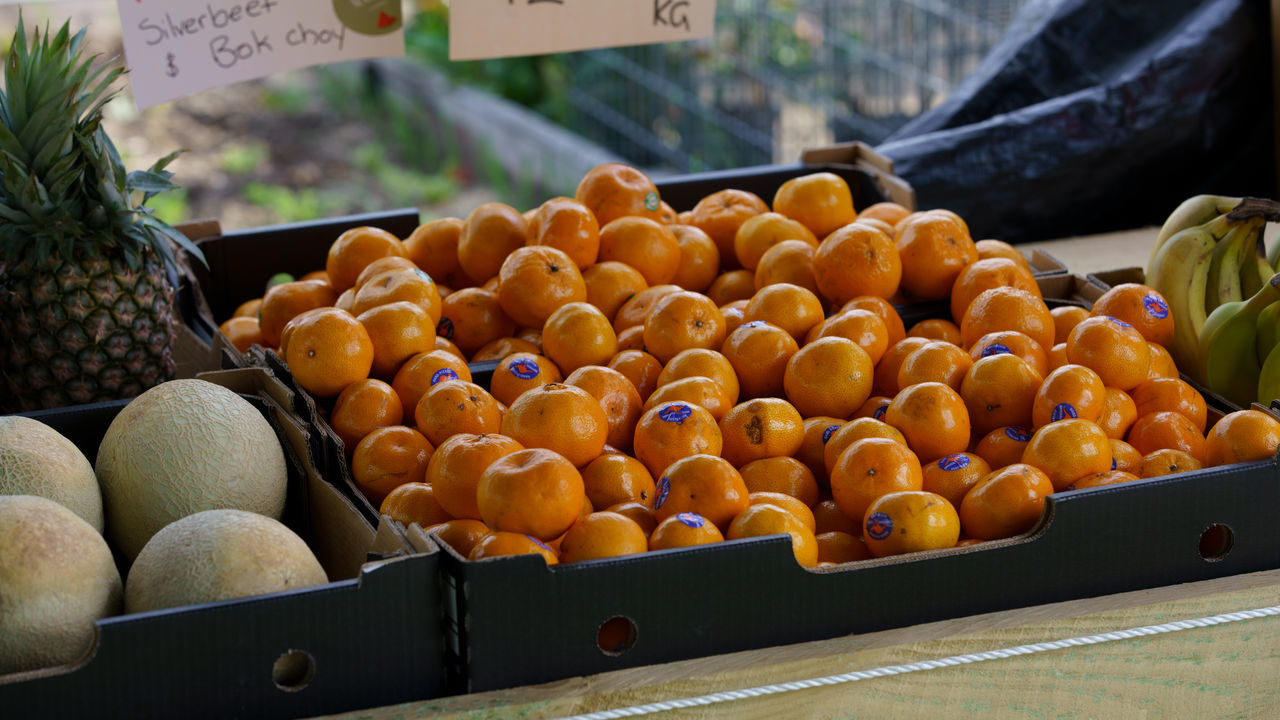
730 695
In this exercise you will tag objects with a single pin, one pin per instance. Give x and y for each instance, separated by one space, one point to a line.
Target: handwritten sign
502 28
176 48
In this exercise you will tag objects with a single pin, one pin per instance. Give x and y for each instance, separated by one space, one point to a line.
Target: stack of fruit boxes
371 636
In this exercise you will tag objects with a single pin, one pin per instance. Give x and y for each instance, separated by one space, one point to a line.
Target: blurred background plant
777 76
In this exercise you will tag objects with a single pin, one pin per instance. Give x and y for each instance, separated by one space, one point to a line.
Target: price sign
176 48
502 28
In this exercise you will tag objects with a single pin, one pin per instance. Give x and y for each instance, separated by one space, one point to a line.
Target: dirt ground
246 160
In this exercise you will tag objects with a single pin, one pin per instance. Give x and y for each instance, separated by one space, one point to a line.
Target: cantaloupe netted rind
57 577
181 447
219 555
35 459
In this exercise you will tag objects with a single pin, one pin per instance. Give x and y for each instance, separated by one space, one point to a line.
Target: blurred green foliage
539 82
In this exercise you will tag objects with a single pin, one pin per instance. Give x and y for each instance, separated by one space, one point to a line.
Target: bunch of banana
1210 263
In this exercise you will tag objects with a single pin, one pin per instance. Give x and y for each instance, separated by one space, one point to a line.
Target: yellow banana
1268 330
1228 362
1256 270
1269 377
1180 272
1231 255
1194 211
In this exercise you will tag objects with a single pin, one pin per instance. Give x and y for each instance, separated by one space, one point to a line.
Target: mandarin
759 352
699 258
870 468
685 529
354 249
491 232
578 334
1068 450
328 349
829 376
362 407
618 398
909 521
1142 307
933 418
568 225
614 190
1006 502
433 246
603 535
534 491
681 321
704 484
821 201
857 260
387 458
674 430
534 281
999 390
646 245
722 213
559 417
422 371
783 474
760 428
413 503
455 468
456 406
765 519
982 275
614 478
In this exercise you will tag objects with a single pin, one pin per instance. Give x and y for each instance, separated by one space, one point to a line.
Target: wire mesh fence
778 77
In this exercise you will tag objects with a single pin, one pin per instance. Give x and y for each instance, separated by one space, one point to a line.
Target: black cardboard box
750 594
242 261
371 636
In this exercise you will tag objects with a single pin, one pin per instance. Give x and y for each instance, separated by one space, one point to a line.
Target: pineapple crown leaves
63 184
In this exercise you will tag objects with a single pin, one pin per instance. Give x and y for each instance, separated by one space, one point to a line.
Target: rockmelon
35 459
57 576
182 447
219 555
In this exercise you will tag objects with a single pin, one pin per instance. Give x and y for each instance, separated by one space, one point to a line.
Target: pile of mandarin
670 379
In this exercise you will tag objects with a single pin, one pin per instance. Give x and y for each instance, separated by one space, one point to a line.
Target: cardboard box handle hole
1216 542
293 670
616 635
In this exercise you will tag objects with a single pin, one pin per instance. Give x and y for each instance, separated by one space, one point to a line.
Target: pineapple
87 272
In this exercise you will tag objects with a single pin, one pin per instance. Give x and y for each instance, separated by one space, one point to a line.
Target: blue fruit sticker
1062 411
1113 463
1155 305
676 413
524 368
996 349
664 489
952 463
879 525
651 201
443 374
826 434
1119 322
444 328
1017 432
539 543
693 520
879 412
